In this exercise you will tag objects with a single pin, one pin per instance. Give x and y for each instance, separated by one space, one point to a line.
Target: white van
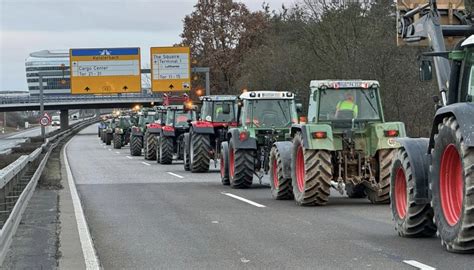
55 121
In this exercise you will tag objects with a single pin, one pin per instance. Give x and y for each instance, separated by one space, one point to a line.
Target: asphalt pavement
142 215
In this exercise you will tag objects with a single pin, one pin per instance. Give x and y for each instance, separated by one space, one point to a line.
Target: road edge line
244 200
90 256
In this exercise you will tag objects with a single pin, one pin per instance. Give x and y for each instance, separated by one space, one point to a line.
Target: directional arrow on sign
87 88
125 88
171 86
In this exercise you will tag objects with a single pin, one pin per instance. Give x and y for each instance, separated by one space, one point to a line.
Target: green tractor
203 141
265 117
171 137
108 131
346 145
121 134
145 117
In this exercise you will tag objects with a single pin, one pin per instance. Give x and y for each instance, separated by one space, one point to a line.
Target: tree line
285 49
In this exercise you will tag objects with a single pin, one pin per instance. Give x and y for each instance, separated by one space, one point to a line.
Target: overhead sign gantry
170 69
105 70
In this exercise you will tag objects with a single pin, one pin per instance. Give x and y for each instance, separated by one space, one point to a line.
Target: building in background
49 60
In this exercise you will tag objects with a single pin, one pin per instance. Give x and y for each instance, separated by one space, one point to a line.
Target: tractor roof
218 98
338 84
267 95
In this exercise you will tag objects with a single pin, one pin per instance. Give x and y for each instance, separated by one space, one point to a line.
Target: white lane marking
129 157
177 175
146 163
90 257
419 265
243 199
117 152
110 149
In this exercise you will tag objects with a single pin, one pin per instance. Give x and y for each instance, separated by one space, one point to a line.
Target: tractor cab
345 104
177 116
219 109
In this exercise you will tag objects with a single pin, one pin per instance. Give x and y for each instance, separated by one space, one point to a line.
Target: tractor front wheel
199 152
382 194
280 185
311 172
166 150
224 163
411 219
117 141
241 167
150 146
452 183
136 145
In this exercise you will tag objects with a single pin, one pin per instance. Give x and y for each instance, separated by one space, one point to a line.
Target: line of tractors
344 144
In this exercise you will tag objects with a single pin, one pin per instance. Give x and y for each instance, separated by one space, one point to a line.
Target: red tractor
203 141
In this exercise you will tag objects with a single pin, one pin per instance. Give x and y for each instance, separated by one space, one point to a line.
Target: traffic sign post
170 69
105 70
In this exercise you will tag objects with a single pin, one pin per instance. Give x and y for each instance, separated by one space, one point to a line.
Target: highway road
143 215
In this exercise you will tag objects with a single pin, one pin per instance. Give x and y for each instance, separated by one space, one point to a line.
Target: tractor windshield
265 113
348 104
125 122
218 111
149 118
179 118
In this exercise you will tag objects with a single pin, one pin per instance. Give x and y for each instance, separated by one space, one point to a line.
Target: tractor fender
463 113
420 166
300 128
197 128
250 143
284 149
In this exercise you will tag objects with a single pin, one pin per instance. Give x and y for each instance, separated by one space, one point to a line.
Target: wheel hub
401 193
275 175
300 170
451 185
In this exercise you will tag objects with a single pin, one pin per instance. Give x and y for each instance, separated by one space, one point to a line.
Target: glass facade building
56 61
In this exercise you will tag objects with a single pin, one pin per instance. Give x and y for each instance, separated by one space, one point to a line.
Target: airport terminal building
48 60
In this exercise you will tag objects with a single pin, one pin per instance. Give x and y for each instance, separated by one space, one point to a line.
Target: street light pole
43 132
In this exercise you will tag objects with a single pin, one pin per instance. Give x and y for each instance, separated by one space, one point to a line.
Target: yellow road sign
105 70
170 69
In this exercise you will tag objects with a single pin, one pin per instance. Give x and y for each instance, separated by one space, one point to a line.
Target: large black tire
166 150
355 191
280 185
99 131
452 185
199 152
102 137
311 172
241 167
117 141
186 159
136 145
150 148
382 196
224 163
411 219
108 138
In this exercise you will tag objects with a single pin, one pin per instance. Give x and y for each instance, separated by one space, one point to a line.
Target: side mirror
226 108
426 71
299 107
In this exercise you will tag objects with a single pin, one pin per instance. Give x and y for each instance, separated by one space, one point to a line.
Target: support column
64 119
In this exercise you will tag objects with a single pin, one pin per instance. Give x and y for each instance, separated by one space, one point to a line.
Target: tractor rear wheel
241 167
280 185
452 185
99 132
117 141
355 191
224 163
382 194
150 146
411 219
311 172
199 152
166 150
136 145
108 138
187 146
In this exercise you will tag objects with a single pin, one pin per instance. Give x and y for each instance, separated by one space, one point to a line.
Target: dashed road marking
129 157
243 199
117 152
110 149
177 175
419 265
146 163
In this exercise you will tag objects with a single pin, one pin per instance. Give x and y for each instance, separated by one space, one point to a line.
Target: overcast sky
32 25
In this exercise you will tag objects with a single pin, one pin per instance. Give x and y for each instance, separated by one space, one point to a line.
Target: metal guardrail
77 98
18 182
